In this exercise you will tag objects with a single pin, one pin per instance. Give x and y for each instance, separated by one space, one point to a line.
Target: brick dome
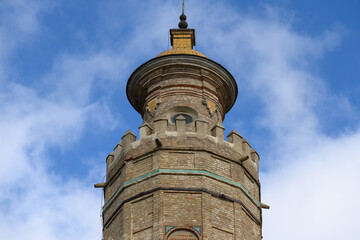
175 51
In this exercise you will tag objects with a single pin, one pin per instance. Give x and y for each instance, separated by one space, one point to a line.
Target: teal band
179 171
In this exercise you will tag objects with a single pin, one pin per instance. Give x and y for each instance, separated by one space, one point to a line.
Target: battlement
180 129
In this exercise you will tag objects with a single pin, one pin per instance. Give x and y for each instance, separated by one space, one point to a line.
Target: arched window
188 118
182 234
188 113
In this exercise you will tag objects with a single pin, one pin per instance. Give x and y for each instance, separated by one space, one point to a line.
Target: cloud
52 112
314 195
19 23
31 123
49 209
310 177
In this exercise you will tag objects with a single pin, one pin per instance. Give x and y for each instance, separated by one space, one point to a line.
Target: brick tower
181 180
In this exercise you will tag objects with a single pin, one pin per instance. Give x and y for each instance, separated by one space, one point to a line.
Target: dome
175 51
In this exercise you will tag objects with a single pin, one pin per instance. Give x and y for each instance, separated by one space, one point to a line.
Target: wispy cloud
311 179
37 203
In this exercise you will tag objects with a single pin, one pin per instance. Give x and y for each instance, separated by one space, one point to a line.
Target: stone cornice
207 69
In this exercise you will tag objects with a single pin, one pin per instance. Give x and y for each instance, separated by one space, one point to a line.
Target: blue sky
63 107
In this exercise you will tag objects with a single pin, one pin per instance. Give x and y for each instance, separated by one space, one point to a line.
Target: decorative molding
196 228
217 76
152 106
179 171
210 106
169 228
192 230
216 194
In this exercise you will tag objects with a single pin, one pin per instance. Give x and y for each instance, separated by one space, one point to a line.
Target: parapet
162 130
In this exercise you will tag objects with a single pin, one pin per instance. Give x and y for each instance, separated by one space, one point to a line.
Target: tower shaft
181 179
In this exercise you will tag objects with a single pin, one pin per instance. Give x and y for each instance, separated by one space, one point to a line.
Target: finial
183 24
183 6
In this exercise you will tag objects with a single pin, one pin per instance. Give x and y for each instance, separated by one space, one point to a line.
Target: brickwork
182 205
181 179
222 215
203 154
182 38
178 160
142 214
201 163
249 230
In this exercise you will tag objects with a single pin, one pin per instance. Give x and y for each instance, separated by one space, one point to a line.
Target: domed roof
175 51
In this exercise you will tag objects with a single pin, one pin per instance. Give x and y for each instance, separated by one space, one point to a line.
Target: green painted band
183 171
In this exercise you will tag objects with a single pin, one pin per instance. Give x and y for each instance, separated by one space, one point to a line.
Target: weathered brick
181 178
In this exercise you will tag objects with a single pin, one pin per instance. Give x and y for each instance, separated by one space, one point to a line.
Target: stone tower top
181 179
182 81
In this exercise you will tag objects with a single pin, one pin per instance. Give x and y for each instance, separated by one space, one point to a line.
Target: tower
181 180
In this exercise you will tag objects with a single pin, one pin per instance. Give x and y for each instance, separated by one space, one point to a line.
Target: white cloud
33 199
36 203
49 209
39 202
312 180
314 195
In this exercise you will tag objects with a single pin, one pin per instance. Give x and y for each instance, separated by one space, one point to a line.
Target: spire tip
183 24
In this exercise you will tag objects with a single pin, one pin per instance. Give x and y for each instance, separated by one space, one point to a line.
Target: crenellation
246 147
113 158
255 158
117 150
218 132
161 125
245 155
145 130
128 138
235 137
109 161
202 127
180 123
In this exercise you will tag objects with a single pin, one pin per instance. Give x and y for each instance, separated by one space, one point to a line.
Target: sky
63 108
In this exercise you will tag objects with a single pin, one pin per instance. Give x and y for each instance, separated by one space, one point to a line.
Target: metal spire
183 6
183 24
